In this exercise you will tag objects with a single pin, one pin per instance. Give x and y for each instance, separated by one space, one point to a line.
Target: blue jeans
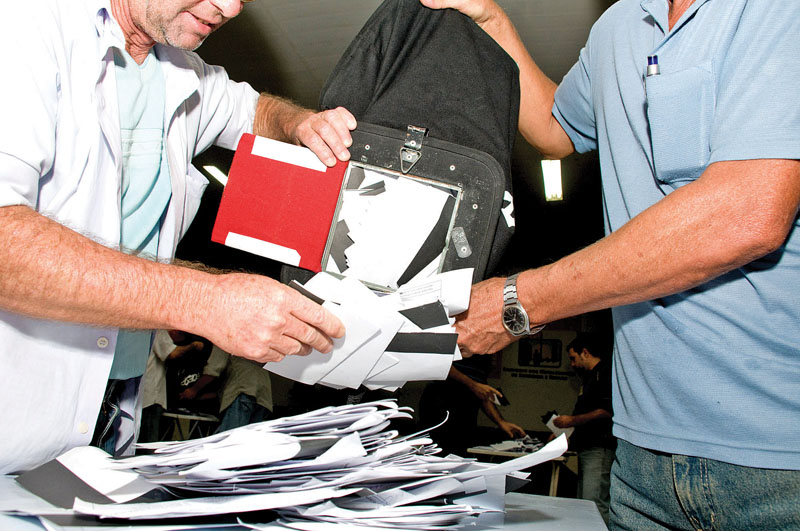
653 490
594 474
243 410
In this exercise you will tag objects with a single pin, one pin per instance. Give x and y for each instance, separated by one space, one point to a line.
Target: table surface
522 512
189 416
482 450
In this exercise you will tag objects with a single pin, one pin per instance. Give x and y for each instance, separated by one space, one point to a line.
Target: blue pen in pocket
652 65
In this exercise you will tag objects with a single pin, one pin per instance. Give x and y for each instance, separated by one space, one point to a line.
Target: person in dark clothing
188 388
591 418
459 398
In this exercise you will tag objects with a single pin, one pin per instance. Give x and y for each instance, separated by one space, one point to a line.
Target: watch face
515 320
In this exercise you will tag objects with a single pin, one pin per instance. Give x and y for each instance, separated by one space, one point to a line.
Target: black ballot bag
436 100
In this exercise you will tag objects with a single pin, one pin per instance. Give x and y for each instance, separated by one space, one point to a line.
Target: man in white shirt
75 142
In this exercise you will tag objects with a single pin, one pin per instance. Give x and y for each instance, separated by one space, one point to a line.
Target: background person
192 379
459 398
592 438
245 394
154 387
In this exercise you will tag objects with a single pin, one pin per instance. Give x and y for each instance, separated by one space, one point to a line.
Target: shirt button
102 342
83 427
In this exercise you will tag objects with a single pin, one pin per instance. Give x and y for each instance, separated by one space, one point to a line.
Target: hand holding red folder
327 134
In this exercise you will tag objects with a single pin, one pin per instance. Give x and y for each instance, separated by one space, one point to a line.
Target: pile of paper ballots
337 464
391 338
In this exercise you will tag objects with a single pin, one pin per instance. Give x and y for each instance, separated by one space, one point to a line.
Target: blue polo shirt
714 371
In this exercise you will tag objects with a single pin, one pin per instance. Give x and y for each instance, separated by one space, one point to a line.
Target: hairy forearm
50 271
696 233
278 118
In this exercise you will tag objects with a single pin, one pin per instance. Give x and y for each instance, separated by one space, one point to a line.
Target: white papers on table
390 339
95 467
209 505
338 464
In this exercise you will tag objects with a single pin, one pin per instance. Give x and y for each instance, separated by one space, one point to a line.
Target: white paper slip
556 430
311 368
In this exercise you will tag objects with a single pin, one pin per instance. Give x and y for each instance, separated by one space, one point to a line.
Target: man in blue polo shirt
691 105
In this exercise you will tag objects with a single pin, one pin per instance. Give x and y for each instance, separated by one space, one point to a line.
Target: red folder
279 202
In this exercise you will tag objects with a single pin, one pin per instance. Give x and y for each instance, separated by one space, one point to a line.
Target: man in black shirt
459 398
591 418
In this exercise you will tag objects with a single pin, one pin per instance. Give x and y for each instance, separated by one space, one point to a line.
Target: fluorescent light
217 174
551 172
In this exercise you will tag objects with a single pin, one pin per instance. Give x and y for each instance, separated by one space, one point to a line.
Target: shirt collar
108 30
659 10
178 73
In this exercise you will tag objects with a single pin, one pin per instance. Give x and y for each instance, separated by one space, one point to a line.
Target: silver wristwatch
515 318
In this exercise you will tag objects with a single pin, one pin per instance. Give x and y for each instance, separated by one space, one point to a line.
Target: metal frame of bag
476 179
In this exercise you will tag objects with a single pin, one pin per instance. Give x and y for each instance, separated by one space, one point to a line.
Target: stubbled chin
187 41
188 32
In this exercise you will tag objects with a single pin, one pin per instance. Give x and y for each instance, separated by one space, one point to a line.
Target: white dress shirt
60 154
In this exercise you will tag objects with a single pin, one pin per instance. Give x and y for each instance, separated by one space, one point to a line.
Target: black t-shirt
595 394
183 373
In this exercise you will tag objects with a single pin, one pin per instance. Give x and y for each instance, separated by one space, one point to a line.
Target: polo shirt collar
659 10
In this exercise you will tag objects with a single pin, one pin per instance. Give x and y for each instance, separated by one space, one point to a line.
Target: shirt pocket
680 110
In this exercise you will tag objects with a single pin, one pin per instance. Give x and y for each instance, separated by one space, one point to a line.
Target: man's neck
592 363
137 43
676 10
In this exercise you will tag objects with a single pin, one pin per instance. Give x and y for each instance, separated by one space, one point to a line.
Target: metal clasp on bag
411 152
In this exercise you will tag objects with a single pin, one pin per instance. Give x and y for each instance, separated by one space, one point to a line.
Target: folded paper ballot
390 339
341 464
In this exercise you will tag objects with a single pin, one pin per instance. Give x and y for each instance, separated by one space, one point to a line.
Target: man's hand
480 11
564 421
484 391
182 350
480 329
512 430
327 134
256 317
187 395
